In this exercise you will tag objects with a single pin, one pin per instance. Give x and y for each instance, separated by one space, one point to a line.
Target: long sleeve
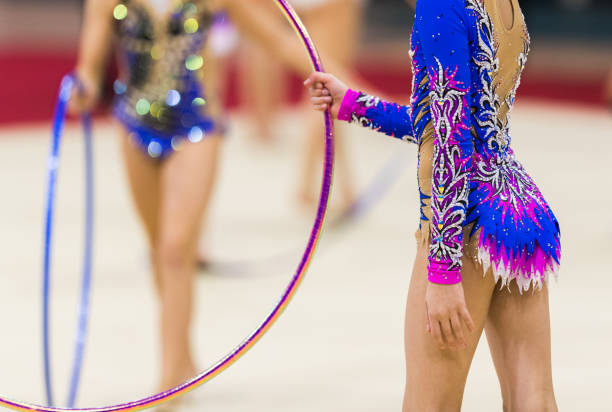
442 46
389 118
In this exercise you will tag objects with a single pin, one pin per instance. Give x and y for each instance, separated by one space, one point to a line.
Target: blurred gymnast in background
171 126
335 28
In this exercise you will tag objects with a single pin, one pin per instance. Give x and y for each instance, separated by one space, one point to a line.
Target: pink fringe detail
534 270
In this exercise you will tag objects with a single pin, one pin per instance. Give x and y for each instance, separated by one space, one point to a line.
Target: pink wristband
438 272
348 105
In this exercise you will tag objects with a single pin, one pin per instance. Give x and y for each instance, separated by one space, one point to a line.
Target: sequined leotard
476 198
160 94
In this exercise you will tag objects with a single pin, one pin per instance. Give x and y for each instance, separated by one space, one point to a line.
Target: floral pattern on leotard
458 60
451 168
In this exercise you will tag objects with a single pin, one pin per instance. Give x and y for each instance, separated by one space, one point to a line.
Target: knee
430 401
173 253
543 401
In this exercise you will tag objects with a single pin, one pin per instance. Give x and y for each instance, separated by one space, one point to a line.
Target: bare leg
335 29
143 177
311 157
518 331
187 179
310 175
261 85
435 379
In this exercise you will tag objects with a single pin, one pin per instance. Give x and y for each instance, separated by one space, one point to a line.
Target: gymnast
171 124
486 235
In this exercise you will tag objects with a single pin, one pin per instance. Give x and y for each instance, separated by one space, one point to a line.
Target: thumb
317 77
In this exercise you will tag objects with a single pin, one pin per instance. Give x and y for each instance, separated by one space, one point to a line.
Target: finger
320 92
457 326
448 333
467 318
316 77
311 79
316 89
437 334
321 107
321 100
317 101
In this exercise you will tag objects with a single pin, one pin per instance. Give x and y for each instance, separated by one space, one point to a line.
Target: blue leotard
476 198
160 94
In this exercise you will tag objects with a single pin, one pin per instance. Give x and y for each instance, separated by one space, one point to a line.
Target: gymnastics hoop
66 87
287 295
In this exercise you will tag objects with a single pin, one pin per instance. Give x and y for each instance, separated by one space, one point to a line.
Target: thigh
261 76
187 179
435 378
259 69
518 332
143 177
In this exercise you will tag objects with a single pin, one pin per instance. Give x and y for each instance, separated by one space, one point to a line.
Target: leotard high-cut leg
476 198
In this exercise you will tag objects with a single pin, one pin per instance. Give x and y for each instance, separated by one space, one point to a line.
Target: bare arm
212 82
94 47
266 28
392 119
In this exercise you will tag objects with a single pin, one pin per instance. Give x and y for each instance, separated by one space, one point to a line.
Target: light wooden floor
339 345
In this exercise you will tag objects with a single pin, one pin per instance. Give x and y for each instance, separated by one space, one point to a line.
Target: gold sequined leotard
160 94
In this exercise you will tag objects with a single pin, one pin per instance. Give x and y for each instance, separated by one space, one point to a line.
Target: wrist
348 105
440 273
85 71
88 75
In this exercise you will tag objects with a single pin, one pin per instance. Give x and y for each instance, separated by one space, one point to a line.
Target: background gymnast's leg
143 178
262 85
334 27
171 198
187 179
